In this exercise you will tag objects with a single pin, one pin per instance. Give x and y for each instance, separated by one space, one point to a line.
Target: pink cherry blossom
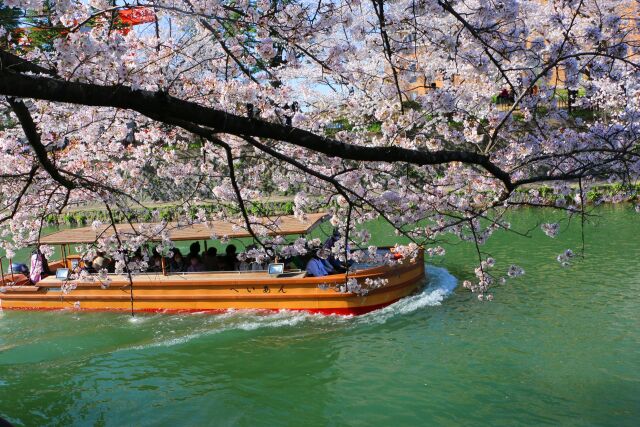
436 117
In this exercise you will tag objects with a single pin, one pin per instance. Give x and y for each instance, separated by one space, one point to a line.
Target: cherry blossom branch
543 72
155 103
236 187
342 190
124 254
33 137
378 6
486 46
23 191
210 136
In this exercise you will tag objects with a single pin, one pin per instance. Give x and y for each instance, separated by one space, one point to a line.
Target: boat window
62 274
276 268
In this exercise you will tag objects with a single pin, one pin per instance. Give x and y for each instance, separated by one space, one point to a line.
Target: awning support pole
11 269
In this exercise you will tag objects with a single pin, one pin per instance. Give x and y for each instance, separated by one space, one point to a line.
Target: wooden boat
213 291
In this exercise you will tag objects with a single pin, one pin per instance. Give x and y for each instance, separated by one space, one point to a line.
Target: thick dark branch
154 104
11 62
33 137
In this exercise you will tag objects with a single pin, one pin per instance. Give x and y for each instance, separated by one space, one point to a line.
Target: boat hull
217 292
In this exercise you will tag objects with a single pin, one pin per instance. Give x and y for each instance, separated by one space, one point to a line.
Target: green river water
558 346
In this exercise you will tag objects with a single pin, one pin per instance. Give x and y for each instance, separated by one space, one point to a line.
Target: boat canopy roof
273 226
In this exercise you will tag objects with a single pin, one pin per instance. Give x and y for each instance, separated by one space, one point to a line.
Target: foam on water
441 284
138 319
206 325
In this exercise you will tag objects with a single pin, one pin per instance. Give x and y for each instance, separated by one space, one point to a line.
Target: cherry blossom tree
371 109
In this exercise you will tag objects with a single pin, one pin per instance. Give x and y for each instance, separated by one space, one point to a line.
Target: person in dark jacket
177 263
328 245
231 259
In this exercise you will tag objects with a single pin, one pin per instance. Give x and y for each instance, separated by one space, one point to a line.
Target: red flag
137 15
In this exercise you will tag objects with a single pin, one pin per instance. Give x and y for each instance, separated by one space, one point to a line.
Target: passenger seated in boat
156 263
194 251
88 267
99 263
210 260
231 259
19 268
297 262
195 265
257 266
251 266
328 245
46 271
318 266
177 262
244 266
137 256
110 265
39 266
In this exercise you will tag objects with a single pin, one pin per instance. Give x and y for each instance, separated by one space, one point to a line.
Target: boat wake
441 284
175 330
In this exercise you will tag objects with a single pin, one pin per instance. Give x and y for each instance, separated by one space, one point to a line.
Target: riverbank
284 205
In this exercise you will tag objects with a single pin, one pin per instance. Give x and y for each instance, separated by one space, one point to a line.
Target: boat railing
188 273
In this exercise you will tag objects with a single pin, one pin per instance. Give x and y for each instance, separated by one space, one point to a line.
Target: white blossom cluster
352 285
550 230
487 280
565 258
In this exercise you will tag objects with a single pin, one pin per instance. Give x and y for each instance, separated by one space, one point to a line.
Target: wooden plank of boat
19 288
15 280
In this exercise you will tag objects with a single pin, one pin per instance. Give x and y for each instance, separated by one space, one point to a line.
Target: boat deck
209 277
